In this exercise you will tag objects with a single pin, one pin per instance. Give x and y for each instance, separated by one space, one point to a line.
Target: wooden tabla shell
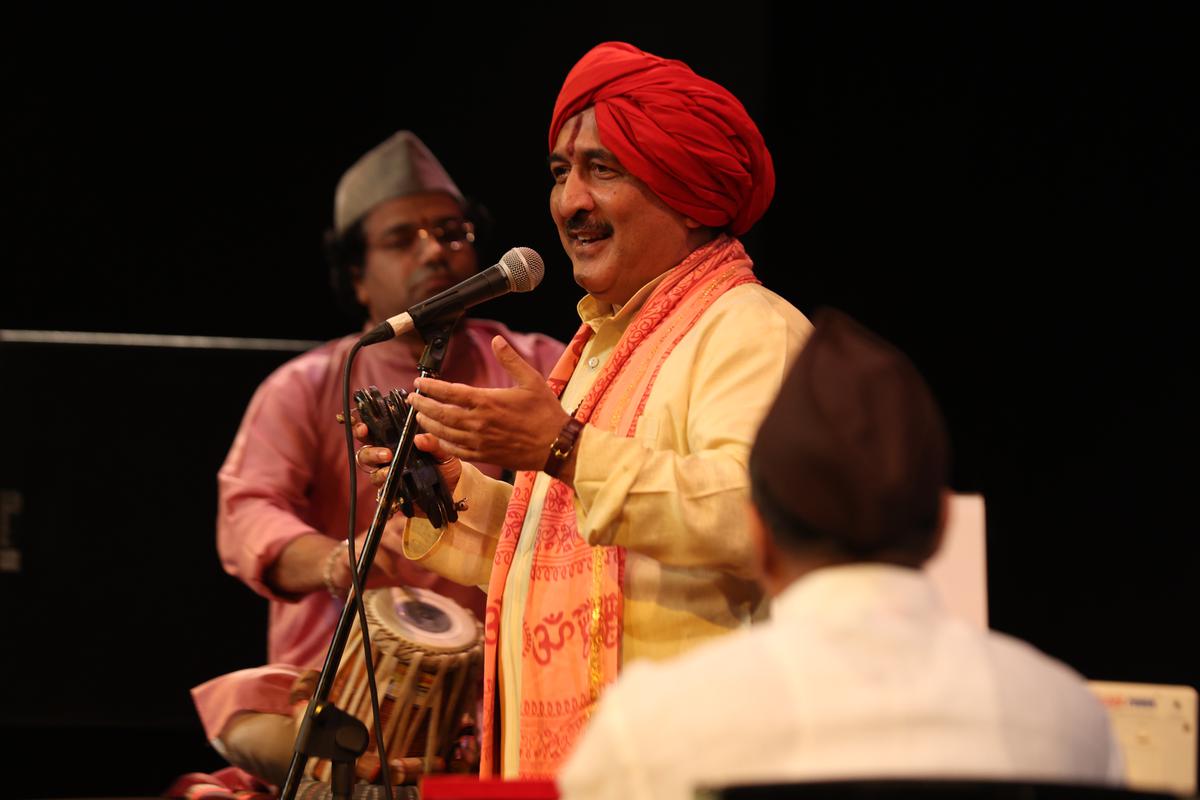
427 652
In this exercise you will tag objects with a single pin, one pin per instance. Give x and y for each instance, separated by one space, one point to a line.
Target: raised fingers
455 394
521 370
451 438
447 415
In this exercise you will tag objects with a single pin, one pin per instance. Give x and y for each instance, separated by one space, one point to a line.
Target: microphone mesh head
525 268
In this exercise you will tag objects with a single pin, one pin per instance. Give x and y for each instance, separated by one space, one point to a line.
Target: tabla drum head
425 618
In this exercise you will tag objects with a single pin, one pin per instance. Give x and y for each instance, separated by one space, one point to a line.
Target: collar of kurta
594 313
849 593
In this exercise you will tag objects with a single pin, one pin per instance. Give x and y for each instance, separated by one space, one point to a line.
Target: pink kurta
286 476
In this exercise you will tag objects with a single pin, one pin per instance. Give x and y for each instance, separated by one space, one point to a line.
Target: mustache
583 225
425 273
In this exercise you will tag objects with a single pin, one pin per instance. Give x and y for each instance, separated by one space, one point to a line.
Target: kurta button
593 361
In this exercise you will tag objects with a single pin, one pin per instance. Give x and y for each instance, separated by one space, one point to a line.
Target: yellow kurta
673 495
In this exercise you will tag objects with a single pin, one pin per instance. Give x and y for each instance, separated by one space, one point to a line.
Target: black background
1005 191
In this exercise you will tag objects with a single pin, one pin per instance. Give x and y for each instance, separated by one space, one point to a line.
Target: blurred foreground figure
860 671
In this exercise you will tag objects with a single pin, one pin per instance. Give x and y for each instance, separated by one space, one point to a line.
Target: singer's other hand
377 460
512 427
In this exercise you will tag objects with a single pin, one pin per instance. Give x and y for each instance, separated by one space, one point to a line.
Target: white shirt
859 673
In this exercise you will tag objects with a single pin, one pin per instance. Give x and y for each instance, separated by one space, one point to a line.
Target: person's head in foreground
851 462
861 673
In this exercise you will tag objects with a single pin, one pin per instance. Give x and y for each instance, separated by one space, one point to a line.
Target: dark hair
347 253
853 456
911 548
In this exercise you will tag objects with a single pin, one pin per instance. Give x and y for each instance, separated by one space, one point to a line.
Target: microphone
520 270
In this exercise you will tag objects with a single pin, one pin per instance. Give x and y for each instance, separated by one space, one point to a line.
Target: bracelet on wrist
329 566
562 447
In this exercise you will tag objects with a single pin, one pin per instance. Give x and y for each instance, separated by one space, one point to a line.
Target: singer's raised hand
512 427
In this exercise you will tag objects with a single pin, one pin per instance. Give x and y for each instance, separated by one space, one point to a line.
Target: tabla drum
428 654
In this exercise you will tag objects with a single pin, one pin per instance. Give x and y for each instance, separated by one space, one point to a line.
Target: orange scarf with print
571 631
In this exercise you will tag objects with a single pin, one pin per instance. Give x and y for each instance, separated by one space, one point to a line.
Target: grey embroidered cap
400 166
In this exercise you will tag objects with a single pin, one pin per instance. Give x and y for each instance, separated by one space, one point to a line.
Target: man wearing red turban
688 139
624 537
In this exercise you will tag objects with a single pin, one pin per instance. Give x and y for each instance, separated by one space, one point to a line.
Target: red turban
684 136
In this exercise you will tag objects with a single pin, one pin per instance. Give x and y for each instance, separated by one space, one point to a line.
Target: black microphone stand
327 731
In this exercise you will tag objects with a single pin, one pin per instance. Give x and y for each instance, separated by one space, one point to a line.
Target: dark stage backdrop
1007 192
